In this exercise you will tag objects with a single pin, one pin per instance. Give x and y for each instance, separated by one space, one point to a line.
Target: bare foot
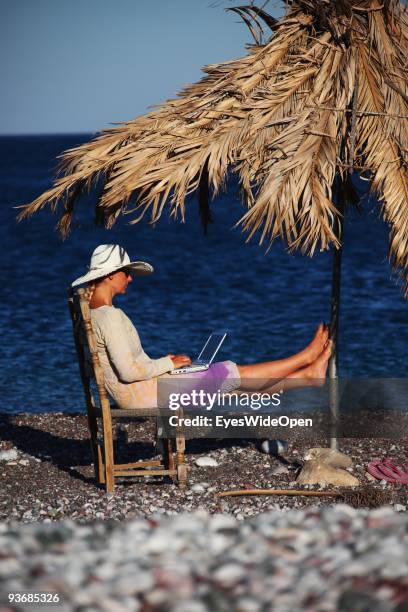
316 346
317 370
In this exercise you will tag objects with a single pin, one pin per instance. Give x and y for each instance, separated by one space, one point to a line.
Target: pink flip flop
385 469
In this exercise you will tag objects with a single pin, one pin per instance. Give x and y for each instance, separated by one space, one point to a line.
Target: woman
131 376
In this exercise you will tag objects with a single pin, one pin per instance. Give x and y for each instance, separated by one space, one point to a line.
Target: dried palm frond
361 497
325 95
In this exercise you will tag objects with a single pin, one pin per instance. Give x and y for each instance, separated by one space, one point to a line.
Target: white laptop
206 357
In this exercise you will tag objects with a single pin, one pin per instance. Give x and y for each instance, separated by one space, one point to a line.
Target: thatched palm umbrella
326 95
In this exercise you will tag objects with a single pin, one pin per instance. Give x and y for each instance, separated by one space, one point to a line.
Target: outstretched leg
258 375
311 376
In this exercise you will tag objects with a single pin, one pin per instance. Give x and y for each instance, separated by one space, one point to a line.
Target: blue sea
270 303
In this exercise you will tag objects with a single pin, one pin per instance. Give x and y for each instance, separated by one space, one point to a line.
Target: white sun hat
108 258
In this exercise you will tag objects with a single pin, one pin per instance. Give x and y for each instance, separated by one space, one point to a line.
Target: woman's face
120 280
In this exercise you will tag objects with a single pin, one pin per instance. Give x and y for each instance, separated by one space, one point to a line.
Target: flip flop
385 469
400 470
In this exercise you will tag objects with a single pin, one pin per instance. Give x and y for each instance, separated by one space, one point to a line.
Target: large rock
328 456
325 466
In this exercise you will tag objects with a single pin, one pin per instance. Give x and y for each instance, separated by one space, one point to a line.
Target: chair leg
181 465
101 466
108 453
169 455
160 443
96 449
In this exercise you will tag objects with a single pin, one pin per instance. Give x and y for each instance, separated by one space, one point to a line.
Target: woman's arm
125 351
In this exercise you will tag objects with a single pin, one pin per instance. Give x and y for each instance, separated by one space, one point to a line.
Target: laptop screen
211 348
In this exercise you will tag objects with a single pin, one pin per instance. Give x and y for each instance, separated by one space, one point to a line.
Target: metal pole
334 390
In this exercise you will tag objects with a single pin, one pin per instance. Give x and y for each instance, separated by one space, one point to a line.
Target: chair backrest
86 348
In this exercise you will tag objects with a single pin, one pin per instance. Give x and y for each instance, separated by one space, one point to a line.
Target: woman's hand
180 360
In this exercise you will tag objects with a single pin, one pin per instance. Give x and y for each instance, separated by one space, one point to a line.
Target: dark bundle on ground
367 497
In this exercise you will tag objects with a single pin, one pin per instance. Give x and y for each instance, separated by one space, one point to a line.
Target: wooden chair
102 413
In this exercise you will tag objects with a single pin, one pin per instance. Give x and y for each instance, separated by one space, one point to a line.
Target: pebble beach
47 474
151 546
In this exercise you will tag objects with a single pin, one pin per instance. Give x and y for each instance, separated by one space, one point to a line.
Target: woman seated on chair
131 376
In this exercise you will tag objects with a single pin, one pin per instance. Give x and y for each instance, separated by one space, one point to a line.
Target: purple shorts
222 376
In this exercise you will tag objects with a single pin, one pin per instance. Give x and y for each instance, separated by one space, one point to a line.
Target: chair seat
135 413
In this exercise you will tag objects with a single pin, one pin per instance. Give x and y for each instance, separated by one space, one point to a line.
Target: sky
70 66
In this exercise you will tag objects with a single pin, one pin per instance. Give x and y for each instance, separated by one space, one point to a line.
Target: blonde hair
89 289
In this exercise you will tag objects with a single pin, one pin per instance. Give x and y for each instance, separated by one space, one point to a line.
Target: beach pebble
189 606
229 574
206 461
199 487
127 585
354 601
8 455
279 470
223 522
247 604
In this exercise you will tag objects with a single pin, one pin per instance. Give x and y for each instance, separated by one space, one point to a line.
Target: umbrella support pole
334 387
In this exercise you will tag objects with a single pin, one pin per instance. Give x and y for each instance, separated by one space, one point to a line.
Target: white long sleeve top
130 374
